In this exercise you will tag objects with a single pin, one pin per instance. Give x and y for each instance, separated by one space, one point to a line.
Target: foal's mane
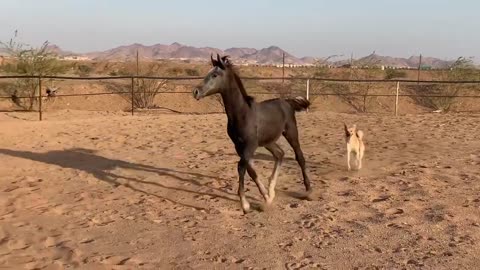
246 97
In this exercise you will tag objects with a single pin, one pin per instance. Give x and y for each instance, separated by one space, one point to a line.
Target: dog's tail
298 103
360 134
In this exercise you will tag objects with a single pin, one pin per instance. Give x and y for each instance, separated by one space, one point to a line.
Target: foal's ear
220 62
214 62
226 62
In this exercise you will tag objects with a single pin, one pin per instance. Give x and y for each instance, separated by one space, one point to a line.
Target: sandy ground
111 191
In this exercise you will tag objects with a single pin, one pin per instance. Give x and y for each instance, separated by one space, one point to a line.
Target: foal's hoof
269 200
246 208
307 195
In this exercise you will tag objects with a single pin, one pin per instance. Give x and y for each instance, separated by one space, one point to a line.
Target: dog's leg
360 157
348 156
358 161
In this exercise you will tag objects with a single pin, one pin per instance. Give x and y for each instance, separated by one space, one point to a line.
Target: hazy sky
441 28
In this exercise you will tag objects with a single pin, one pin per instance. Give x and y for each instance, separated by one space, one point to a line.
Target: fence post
396 98
308 91
131 94
40 98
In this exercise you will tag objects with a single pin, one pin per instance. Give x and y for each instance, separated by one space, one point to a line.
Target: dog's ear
346 129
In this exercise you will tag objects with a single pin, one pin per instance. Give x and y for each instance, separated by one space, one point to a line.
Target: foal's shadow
86 160
267 157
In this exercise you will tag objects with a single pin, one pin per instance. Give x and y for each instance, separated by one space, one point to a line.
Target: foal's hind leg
253 175
291 134
277 154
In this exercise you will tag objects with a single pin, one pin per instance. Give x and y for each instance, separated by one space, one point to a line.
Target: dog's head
349 132
51 92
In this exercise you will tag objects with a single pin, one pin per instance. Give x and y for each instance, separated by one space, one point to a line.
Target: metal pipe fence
307 91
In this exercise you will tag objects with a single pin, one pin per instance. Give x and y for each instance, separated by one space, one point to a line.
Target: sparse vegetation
394 74
145 90
360 101
175 71
356 95
84 70
29 61
443 96
192 72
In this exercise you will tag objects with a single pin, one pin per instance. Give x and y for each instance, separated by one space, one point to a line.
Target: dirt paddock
159 192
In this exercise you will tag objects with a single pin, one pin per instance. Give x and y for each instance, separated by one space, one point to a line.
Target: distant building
74 58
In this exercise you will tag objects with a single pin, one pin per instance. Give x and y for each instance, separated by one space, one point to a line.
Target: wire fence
311 87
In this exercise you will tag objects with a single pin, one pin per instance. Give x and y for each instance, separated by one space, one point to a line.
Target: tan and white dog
354 139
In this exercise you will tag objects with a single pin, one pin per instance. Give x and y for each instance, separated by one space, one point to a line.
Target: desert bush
424 95
29 61
144 92
192 72
84 70
321 72
444 96
174 71
394 74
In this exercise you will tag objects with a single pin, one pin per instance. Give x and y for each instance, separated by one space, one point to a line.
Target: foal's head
216 80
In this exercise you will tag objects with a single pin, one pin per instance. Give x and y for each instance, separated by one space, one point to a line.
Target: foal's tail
298 103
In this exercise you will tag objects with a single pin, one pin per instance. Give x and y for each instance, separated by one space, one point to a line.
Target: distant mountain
412 62
3 52
194 53
239 52
52 48
309 60
429 61
157 51
272 55
129 52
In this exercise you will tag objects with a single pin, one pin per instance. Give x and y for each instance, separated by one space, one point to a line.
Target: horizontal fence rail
308 92
243 78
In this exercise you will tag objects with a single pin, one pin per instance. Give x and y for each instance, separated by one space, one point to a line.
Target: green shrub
394 74
192 72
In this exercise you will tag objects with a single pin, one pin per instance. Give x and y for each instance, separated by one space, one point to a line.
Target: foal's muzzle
197 93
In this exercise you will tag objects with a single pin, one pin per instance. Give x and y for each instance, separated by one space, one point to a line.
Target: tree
145 90
357 94
29 61
443 96
321 70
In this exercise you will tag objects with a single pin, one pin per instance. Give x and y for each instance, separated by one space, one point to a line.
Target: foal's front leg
242 167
